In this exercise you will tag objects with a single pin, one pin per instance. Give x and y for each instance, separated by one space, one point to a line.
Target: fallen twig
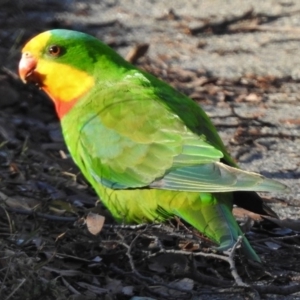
40 215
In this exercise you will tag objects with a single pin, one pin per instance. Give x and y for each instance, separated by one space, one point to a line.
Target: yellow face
61 82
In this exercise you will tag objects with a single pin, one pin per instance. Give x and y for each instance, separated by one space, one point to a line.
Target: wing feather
132 137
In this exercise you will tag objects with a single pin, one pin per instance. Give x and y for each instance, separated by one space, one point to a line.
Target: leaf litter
55 243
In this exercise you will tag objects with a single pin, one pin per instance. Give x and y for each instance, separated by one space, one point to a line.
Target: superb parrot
150 152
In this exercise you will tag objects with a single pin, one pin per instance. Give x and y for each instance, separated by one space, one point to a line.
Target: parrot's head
65 64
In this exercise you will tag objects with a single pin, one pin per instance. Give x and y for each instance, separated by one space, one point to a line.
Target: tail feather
216 221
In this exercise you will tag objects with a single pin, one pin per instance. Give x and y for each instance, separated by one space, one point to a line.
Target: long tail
214 218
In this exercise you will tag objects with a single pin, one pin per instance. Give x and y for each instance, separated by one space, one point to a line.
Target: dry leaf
114 286
137 52
94 223
290 121
183 284
188 246
252 97
243 214
272 245
127 290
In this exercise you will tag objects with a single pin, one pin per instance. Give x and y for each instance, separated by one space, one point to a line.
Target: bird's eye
54 50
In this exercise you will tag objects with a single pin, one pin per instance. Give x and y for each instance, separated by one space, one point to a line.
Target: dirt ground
240 61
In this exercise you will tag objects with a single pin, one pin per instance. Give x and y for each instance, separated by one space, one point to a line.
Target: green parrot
150 152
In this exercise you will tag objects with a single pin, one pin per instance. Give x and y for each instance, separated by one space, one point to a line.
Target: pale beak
27 66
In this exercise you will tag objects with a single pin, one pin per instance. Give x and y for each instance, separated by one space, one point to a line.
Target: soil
239 60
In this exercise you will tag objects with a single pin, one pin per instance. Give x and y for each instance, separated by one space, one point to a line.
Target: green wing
133 137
